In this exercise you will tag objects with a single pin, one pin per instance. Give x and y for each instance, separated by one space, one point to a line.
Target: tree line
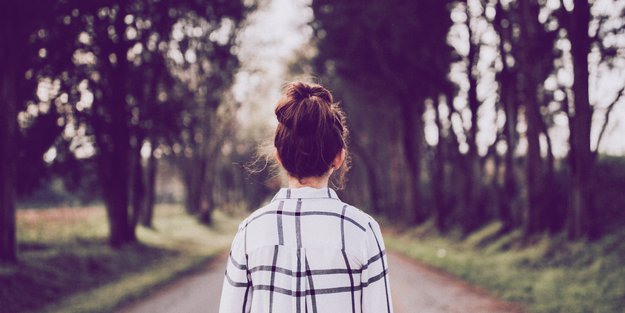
454 108
418 80
103 89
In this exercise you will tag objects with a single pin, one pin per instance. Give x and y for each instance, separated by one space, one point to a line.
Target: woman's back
307 251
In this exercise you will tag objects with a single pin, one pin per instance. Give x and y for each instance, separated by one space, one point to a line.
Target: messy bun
311 131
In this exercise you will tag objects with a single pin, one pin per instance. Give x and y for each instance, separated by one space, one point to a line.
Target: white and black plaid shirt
307 251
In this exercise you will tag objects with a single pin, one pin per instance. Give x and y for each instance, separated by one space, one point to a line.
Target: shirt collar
306 193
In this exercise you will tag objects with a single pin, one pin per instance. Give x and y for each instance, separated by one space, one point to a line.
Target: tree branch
608 112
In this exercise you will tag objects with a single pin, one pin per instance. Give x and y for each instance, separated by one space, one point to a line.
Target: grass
548 274
66 265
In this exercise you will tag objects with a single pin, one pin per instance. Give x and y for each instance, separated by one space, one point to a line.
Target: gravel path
416 289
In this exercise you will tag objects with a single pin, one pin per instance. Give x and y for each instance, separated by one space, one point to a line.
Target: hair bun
300 91
311 132
305 109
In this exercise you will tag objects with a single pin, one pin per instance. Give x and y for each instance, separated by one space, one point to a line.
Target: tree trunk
580 124
192 195
194 169
9 78
116 153
412 115
552 214
508 99
455 199
473 213
150 198
534 172
510 193
138 182
372 179
438 175
529 80
151 95
208 202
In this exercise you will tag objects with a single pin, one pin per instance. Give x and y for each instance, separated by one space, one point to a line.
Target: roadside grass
66 264
544 275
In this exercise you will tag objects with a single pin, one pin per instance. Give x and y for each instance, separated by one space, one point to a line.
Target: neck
315 182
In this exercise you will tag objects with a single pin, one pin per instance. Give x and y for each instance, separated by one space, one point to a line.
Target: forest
462 113
497 83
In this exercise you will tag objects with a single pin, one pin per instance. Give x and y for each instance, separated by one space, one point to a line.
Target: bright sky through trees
278 30
268 44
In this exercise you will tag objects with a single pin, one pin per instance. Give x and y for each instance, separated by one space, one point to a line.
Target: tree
202 85
530 81
534 39
581 157
19 20
10 32
398 49
508 100
369 51
107 50
446 144
119 112
473 212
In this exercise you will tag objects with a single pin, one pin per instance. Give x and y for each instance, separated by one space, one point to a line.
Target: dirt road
416 289
421 289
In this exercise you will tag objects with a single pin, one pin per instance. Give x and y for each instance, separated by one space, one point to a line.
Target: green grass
66 265
548 274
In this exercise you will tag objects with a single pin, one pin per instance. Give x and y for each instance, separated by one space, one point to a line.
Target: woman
307 251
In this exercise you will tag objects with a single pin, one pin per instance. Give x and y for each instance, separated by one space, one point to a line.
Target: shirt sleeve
236 292
376 289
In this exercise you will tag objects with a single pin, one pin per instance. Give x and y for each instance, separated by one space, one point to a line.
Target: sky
267 45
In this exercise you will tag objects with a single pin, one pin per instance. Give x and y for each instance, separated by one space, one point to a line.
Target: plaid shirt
307 251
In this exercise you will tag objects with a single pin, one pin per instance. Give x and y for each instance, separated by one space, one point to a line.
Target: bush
608 196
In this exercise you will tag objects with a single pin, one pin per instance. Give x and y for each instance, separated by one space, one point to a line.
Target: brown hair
311 132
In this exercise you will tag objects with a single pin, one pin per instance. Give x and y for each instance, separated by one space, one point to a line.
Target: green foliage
393 46
544 274
66 266
97 80
57 193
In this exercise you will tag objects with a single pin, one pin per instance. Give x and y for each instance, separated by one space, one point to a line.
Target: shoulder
369 235
267 209
364 220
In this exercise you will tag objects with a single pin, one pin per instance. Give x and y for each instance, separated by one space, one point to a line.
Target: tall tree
22 24
113 126
10 74
535 39
508 99
529 85
445 144
580 124
473 212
